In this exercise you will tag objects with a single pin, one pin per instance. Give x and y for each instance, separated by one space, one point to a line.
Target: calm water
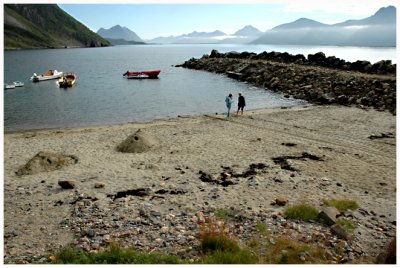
102 96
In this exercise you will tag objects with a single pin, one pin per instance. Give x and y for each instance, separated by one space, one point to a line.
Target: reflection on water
102 96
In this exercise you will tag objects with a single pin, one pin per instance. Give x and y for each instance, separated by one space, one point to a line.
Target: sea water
102 96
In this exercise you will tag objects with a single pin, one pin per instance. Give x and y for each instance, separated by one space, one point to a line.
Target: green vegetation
262 229
114 255
341 205
240 256
347 225
302 212
218 247
45 26
224 213
287 251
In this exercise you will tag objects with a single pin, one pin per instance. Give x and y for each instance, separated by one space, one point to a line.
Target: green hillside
45 26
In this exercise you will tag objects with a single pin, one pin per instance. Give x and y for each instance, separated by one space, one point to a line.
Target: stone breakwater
317 78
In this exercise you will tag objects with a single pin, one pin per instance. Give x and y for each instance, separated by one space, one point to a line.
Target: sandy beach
353 157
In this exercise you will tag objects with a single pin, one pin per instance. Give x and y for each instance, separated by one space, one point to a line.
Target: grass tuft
219 247
341 205
214 236
287 251
241 256
223 213
347 225
302 212
114 255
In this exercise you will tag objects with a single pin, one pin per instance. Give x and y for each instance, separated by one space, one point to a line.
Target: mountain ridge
378 30
246 34
45 26
118 32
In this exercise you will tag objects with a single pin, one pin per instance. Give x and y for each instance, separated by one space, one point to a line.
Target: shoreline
317 79
40 217
146 121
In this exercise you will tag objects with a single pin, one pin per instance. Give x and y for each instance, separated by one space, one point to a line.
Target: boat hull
9 86
67 80
142 75
49 75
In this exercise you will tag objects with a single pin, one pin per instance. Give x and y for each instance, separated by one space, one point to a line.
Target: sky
150 19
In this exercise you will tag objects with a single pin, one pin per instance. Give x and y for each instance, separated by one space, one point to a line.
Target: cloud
344 7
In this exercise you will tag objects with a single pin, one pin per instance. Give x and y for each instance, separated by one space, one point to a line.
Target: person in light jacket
229 101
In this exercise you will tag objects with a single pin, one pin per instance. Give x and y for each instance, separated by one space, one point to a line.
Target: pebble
177 231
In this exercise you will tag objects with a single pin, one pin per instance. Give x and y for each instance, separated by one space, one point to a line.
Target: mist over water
102 96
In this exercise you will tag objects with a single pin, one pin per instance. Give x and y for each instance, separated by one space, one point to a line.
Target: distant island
119 35
45 26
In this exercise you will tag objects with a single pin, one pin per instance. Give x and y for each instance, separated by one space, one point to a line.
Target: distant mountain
203 34
300 23
117 32
191 38
45 26
374 31
384 16
244 35
248 31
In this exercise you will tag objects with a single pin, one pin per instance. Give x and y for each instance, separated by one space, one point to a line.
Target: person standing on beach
229 101
241 103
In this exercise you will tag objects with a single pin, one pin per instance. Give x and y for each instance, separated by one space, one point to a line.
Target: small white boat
50 74
9 86
18 84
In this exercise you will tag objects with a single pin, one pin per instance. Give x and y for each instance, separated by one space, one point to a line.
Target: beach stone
46 161
67 184
138 142
328 215
98 185
281 201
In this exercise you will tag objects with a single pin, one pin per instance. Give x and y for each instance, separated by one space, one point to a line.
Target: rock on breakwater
317 78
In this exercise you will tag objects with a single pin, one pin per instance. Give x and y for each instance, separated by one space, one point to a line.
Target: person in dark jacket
241 103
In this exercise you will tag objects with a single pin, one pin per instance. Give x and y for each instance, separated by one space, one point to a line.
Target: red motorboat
142 75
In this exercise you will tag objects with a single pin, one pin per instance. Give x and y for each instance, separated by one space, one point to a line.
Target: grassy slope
46 26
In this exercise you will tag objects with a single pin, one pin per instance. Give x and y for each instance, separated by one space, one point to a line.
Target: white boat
18 84
50 74
9 86
14 85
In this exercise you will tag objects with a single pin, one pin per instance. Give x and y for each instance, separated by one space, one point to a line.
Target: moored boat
18 83
67 80
9 86
13 85
142 75
50 74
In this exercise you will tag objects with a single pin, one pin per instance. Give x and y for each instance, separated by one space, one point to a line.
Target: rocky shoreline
317 78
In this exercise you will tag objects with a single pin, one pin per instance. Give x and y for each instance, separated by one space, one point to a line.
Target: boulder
215 54
328 215
281 201
67 184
